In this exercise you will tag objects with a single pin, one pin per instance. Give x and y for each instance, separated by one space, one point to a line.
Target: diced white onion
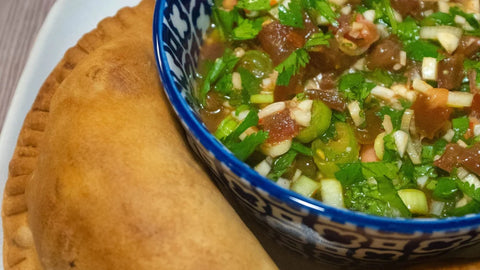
436 207
379 146
472 180
403 58
236 81
241 115
449 41
414 153
427 13
449 135
383 92
468 177
422 180
429 68
354 109
448 36
459 99
263 168
397 16
462 144
476 130
399 89
406 120
271 109
369 15
296 175
421 86
302 112
387 124
360 64
311 84
401 141
239 52
443 6
462 202
247 132
460 20
382 30
332 192
346 10
276 149
305 105
285 183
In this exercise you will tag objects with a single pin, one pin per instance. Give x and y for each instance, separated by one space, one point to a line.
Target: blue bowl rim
186 113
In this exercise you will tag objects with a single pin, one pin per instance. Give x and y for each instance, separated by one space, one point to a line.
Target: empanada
102 178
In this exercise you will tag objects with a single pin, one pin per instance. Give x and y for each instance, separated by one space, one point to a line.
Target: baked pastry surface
102 178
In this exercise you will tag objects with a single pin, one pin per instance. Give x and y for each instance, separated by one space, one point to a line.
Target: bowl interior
179 28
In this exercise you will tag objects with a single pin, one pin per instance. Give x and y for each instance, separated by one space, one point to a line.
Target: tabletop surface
19 25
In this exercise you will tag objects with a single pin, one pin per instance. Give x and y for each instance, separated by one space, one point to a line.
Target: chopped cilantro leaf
290 66
247 29
469 208
439 18
243 149
254 4
250 120
222 65
419 49
281 164
390 149
250 83
468 16
384 12
395 116
302 149
408 30
291 16
377 169
369 188
318 39
224 21
460 126
224 84
355 87
469 189
349 173
383 77
430 151
325 9
446 189
387 8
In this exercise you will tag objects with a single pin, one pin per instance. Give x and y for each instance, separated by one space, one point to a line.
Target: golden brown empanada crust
106 175
18 247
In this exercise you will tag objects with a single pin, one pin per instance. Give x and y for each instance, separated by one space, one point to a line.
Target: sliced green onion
332 192
305 186
415 200
261 98
226 127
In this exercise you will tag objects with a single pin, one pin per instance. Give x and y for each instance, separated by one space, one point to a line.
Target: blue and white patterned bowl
305 225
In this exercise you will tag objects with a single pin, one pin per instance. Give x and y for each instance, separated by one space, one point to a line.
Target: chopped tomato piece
475 108
280 126
431 112
456 156
367 153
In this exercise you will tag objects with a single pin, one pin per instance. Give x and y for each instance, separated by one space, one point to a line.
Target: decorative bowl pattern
307 226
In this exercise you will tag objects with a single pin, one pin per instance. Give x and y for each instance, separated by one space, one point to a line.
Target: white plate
65 24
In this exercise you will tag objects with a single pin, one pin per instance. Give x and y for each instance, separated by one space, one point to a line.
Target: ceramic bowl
307 226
